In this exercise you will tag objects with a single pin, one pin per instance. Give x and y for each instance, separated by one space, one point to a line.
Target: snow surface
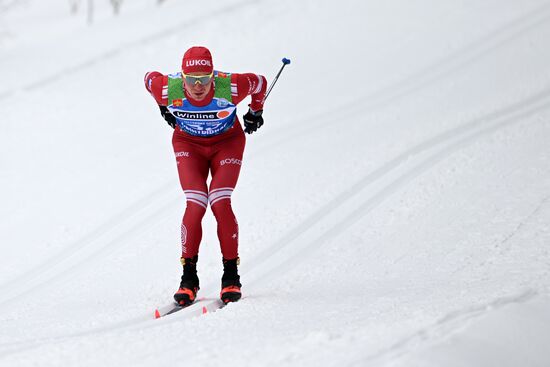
394 210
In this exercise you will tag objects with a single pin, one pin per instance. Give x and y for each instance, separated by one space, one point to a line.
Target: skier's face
198 88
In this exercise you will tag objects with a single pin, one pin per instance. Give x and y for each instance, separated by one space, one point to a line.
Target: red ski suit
221 155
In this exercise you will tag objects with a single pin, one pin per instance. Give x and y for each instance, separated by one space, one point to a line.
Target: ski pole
285 63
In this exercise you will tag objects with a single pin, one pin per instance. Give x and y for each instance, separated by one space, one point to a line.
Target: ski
210 306
214 306
170 309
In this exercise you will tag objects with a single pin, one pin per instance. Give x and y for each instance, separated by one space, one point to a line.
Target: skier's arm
156 85
255 86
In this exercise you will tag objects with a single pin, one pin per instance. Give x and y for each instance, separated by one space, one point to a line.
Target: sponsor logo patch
195 115
177 102
230 161
198 63
223 114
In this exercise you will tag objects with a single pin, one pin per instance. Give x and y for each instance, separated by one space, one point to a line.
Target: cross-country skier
200 104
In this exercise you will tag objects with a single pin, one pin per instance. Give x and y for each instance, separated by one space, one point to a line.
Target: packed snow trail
415 194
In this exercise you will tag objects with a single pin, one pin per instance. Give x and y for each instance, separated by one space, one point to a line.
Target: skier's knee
220 196
196 198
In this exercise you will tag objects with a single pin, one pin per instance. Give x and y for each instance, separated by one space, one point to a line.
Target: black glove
253 121
170 119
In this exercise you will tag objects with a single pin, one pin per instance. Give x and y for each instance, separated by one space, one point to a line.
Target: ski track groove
441 328
501 246
430 152
422 78
450 141
406 167
105 237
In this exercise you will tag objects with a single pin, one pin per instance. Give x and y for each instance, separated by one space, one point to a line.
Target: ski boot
189 285
231 285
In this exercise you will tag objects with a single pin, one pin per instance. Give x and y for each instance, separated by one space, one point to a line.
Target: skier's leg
193 173
226 166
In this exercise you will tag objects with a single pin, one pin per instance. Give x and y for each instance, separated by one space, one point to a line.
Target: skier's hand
170 119
253 120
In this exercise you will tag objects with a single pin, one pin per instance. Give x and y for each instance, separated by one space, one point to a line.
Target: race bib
212 119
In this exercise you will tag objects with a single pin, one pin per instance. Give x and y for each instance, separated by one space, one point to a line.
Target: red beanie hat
197 59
